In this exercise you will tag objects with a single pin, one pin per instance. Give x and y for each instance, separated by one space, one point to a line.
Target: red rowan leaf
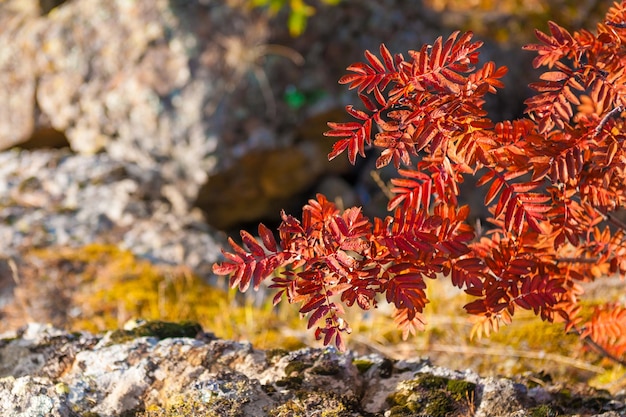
387 58
374 61
360 68
453 77
343 127
353 79
252 245
570 96
554 76
341 346
225 268
408 322
494 189
338 148
358 114
543 87
504 201
317 315
313 303
435 54
267 237
548 232
369 105
380 99
513 217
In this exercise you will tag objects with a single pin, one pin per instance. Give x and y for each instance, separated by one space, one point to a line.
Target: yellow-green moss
461 389
363 365
429 381
331 405
197 404
430 395
110 286
543 411
439 405
182 408
296 366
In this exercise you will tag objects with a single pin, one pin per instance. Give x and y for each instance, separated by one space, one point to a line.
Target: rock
158 369
141 80
54 197
260 184
198 90
500 397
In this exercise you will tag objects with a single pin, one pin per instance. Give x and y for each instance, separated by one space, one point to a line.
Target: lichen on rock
151 373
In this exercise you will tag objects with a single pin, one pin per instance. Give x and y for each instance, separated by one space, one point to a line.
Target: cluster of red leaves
554 180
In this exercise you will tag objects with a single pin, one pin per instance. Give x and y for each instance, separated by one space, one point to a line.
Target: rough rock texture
166 104
199 90
167 85
58 198
158 369
144 80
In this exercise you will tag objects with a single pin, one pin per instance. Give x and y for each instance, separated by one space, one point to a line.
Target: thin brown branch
599 349
488 351
617 110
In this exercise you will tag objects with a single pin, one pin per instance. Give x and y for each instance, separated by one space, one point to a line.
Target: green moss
434 404
543 411
431 395
363 365
429 381
400 411
439 405
326 369
159 329
305 402
460 389
295 366
272 354
291 382
198 404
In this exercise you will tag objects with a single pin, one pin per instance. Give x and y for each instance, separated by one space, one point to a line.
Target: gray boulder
56 198
160 369
145 81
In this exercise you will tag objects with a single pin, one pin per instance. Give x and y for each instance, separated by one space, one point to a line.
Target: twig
491 351
381 184
14 273
599 349
606 118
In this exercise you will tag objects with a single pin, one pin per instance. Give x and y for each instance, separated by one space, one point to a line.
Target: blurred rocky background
135 134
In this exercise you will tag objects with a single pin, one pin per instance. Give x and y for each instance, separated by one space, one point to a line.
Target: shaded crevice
46 138
46 6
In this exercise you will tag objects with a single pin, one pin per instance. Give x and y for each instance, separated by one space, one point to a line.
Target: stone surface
200 90
167 104
141 80
54 197
44 371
